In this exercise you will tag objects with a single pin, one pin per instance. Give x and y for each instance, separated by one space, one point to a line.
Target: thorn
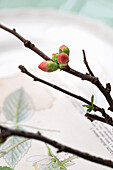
14 29
39 133
110 109
88 74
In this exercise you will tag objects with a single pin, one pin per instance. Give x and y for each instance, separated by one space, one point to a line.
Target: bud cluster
60 60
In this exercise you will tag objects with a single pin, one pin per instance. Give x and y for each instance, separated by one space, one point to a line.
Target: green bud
53 66
54 57
62 66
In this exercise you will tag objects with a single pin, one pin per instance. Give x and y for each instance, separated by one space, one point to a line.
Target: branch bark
106 91
6 132
107 118
92 118
87 65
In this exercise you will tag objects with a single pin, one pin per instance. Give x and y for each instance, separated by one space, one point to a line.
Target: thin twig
35 78
95 108
27 43
93 117
106 91
6 132
87 65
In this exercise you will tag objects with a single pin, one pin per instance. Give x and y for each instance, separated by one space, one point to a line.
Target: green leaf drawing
14 149
51 162
5 168
6 150
18 106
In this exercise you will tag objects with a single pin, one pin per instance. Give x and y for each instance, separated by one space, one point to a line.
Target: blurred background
101 10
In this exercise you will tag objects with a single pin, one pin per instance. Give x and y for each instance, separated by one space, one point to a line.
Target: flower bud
64 49
63 60
48 66
54 57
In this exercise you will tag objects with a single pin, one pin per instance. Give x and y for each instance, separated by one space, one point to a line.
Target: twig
35 78
6 132
106 91
87 65
27 43
92 118
108 119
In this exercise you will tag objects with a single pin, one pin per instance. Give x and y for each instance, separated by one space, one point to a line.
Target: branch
106 91
98 118
92 79
6 132
108 119
27 43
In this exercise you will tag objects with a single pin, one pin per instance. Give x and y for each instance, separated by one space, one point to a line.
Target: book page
55 115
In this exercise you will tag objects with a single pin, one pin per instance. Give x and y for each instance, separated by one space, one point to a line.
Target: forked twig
107 118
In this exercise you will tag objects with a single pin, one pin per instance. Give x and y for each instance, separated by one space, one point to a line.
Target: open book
34 107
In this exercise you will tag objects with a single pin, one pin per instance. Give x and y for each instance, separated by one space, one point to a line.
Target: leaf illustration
18 106
5 168
50 162
16 153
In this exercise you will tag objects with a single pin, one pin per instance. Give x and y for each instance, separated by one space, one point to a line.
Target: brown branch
92 118
87 65
27 43
106 91
31 46
35 78
6 132
92 79
96 108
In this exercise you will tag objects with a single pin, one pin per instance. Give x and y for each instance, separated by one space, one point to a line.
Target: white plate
49 29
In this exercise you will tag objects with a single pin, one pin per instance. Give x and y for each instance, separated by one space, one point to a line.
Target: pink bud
53 54
48 66
63 59
61 47
64 49
43 66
